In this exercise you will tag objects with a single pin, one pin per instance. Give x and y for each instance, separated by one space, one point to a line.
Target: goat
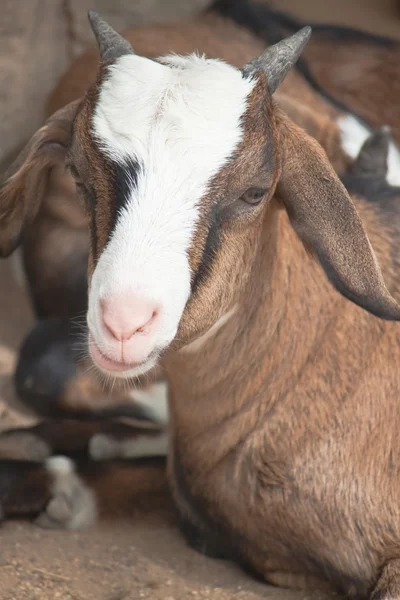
254 194
62 498
253 432
55 248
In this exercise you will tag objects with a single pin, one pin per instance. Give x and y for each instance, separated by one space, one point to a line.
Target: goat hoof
73 505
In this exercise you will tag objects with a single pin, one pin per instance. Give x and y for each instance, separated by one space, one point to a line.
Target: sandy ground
126 558
118 561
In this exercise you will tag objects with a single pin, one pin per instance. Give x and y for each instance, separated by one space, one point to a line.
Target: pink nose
124 316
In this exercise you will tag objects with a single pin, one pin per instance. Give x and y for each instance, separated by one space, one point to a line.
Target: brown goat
282 392
55 248
61 498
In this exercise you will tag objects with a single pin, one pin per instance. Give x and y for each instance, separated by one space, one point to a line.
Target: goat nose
125 315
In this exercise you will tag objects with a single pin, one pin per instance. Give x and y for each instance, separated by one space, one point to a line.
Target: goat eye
253 196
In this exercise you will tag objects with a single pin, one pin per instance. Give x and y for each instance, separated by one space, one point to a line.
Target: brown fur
30 171
300 436
56 248
318 122
363 76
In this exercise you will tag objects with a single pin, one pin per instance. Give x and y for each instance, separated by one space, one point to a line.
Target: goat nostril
123 324
144 327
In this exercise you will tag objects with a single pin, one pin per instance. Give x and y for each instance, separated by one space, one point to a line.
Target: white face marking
181 121
354 134
200 341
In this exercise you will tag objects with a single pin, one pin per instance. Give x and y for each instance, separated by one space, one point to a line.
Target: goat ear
24 183
325 218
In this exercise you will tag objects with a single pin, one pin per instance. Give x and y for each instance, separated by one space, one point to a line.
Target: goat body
285 421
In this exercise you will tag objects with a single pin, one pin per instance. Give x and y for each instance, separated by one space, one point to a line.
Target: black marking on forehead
126 176
210 250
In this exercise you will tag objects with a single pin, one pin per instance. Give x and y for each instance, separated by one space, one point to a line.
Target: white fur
200 341
354 134
155 400
107 447
181 121
60 466
73 505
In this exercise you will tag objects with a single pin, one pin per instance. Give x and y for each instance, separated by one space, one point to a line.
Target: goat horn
373 156
111 44
277 60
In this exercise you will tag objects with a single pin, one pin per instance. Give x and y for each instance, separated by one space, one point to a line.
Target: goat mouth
109 364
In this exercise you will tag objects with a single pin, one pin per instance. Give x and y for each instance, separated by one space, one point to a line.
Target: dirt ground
123 559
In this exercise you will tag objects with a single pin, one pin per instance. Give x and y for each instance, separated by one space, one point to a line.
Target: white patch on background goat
73 504
181 121
354 134
200 341
106 447
155 400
